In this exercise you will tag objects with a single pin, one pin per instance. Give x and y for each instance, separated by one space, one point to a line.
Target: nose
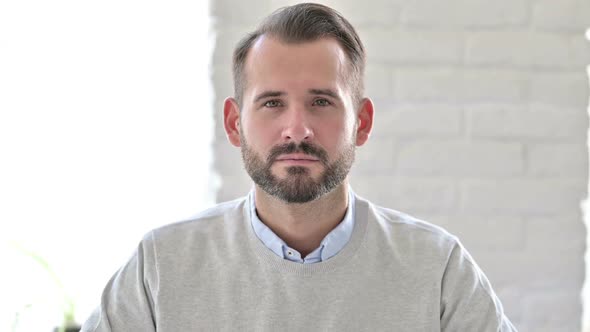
297 126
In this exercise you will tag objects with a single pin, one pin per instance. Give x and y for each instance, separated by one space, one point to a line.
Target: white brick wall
546 123
563 15
465 13
434 120
480 127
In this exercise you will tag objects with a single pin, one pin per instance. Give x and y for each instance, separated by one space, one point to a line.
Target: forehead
274 63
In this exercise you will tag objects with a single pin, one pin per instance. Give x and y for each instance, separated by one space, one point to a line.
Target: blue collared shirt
329 247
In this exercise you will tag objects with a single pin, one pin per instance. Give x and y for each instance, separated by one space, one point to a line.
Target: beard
299 186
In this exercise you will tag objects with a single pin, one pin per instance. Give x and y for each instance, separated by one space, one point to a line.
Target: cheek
259 136
336 137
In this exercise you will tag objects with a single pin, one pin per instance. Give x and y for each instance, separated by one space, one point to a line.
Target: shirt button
290 253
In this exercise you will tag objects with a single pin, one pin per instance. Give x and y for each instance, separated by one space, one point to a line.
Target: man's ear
231 121
364 121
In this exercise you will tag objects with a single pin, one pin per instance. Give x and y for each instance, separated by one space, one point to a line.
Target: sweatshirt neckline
274 262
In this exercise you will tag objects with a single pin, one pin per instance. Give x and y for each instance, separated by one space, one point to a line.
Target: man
301 252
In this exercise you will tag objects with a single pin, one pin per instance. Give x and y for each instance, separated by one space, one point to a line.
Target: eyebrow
325 92
275 93
267 94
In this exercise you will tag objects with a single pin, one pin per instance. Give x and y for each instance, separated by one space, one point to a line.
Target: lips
297 157
305 154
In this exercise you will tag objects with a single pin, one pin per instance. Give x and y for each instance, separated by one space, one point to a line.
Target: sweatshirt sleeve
127 300
468 302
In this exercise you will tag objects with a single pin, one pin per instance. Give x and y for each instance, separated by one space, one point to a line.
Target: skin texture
298 128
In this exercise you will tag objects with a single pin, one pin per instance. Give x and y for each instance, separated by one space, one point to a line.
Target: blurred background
110 126
106 128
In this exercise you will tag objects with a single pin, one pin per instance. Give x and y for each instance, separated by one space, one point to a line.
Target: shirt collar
332 243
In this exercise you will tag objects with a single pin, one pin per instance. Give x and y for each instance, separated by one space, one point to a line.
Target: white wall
105 133
480 127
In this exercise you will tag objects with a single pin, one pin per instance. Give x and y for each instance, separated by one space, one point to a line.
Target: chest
259 299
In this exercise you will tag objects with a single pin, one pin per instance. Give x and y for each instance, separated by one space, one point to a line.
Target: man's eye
272 103
322 102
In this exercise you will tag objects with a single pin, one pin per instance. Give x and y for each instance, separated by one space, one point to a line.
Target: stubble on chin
298 186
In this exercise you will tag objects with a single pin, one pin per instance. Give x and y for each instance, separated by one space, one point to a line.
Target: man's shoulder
405 221
402 228
206 222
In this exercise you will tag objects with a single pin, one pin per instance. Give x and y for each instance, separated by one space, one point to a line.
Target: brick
223 84
559 159
459 158
427 85
410 195
563 15
275 4
383 108
419 120
544 123
380 12
532 273
378 81
519 197
240 12
442 220
494 266
467 85
512 301
560 89
226 39
375 157
560 236
553 310
412 47
465 13
564 327
486 234
519 48
494 85
580 51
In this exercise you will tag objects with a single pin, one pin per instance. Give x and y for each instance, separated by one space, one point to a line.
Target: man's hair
305 22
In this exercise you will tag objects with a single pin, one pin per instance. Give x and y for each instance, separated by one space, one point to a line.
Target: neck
303 225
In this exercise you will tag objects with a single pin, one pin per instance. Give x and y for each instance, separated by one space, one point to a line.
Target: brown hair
305 22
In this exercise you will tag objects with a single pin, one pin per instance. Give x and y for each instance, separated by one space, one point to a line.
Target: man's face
297 122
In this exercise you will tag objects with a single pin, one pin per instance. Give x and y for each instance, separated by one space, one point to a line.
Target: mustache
303 147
